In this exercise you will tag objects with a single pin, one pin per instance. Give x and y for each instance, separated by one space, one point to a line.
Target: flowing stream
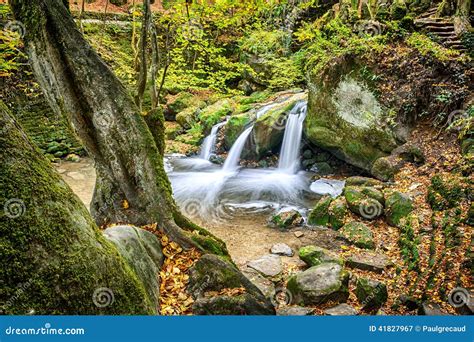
217 193
289 155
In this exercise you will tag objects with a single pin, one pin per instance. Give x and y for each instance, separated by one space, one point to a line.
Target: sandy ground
247 238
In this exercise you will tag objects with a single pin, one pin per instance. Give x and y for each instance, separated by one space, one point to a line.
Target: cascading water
232 161
209 142
289 155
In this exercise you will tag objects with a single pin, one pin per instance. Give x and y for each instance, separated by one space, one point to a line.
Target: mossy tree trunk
54 258
132 185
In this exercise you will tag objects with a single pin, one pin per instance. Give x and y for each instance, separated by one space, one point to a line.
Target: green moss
234 127
398 206
320 214
358 234
371 294
445 192
337 213
54 246
313 256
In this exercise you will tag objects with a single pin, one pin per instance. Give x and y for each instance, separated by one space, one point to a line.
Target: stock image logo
14 208
15 27
281 297
369 28
103 297
370 209
459 297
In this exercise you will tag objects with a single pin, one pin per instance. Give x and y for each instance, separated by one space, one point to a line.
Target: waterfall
209 142
232 161
289 155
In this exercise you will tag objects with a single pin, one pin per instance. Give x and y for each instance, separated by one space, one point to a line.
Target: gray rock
214 273
282 249
142 250
268 265
320 284
315 255
266 286
294 311
368 261
341 310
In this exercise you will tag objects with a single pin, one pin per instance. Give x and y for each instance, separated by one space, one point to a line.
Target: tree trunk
54 259
143 70
129 164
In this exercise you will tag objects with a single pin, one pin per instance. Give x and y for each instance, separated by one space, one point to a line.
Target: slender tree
132 185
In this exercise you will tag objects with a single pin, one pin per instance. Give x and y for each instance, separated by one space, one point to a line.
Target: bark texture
54 258
129 164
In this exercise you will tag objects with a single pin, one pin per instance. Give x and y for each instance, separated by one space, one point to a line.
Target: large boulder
365 201
142 250
397 207
214 274
345 116
320 284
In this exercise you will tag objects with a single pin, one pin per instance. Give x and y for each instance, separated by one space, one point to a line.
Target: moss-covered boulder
50 242
286 219
365 201
179 103
319 216
234 127
215 113
337 213
142 250
345 116
213 273
320 284
397 207
187 117
358 234
270 124
314 255
372 294
385 168
364 181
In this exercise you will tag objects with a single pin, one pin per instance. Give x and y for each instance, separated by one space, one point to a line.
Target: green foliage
426 46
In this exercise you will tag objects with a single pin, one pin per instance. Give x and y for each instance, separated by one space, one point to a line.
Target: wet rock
397 207
341 310
214 273
320 284
368 261
358 234
314 255
286 219
329 187
268 265
282 249
142 251
294 311
372 294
